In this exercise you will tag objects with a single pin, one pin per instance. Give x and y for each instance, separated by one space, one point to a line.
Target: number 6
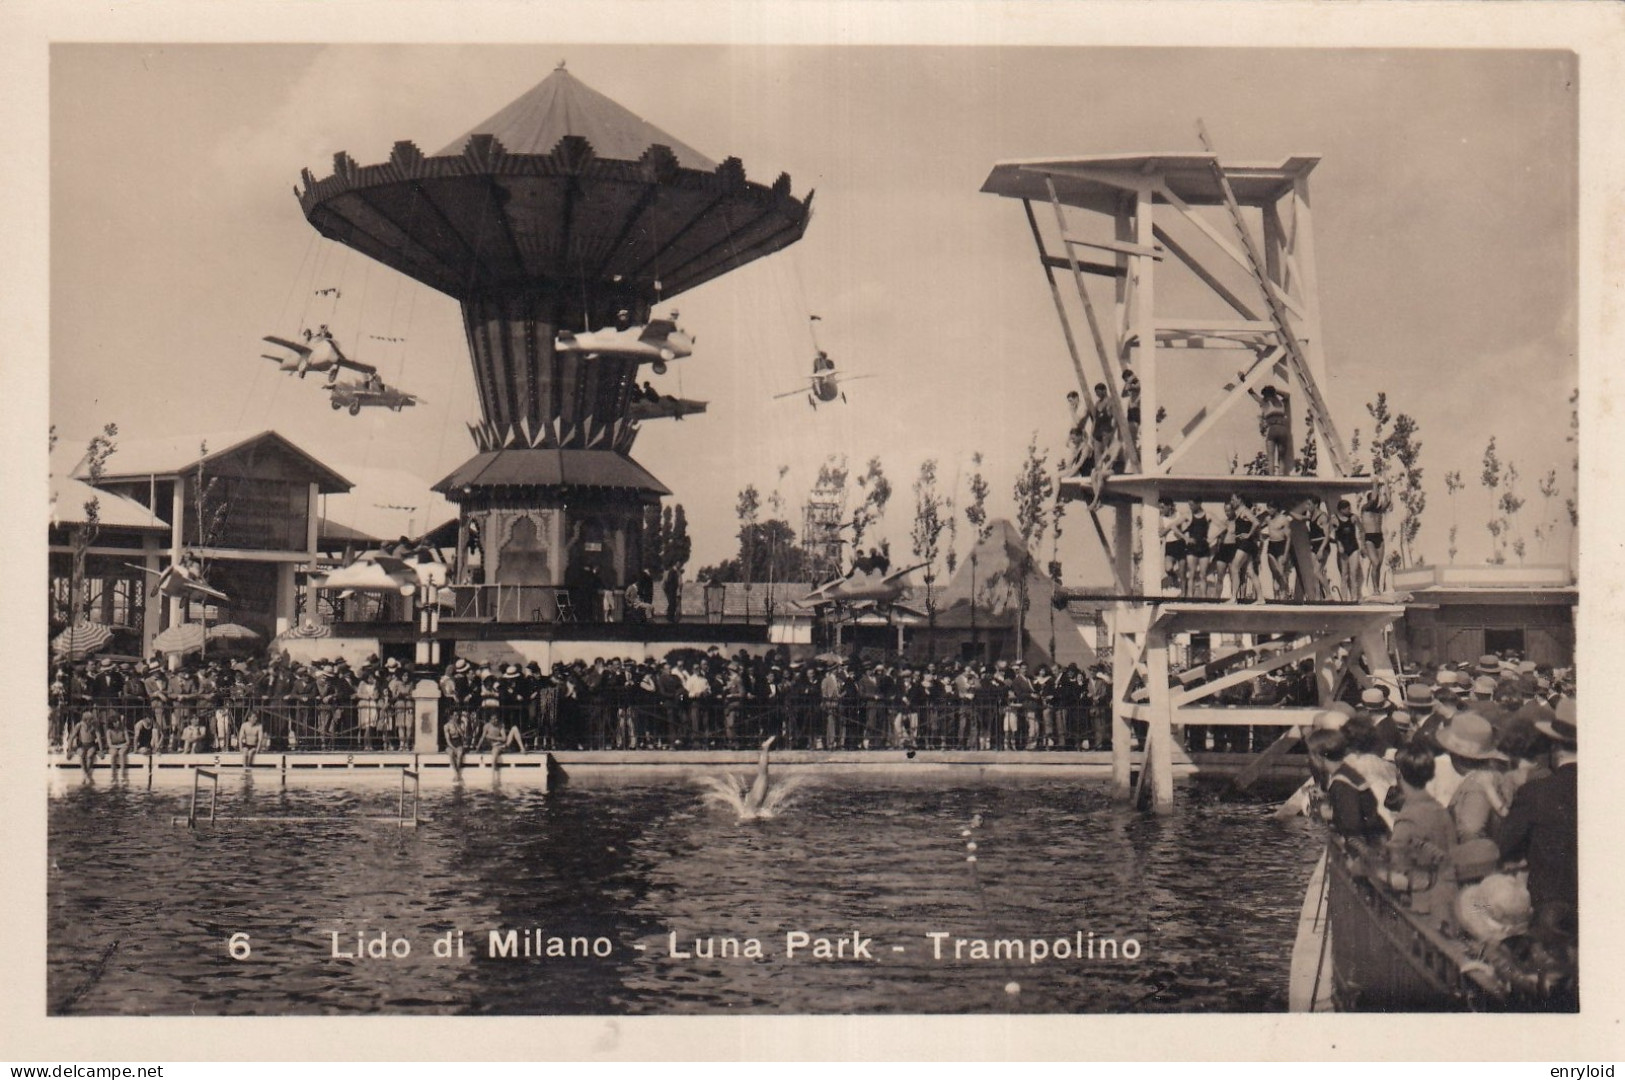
238 946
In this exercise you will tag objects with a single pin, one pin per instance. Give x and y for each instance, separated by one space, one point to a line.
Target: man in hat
1543 827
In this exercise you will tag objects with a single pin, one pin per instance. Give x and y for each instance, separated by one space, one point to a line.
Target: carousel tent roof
561 105
563 188
551 468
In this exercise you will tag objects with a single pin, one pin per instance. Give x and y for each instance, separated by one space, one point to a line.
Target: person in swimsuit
759 788
1131 403
85 741
118 743
1237 554
1171 527
494 738
456 735
1275 424
250 739
1277 541
1346 534
1378 501
1198 550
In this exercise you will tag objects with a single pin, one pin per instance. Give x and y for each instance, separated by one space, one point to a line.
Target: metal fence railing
613 720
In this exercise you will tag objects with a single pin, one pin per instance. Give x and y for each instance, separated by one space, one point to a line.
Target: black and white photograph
616 527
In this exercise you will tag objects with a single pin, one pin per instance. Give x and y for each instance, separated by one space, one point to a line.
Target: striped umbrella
80 640
308 629
185 638
232 632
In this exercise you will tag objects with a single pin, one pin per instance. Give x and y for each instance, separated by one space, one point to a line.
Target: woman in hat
1477 805
1422 850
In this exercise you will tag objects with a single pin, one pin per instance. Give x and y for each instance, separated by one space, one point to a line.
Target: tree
775 507
926 536
1309 453
97 451
976 518
1453 484
1574 439
1501 481
767 540
876 491
1547 529
1396 454
675 545
748 509
1509 504
1034 490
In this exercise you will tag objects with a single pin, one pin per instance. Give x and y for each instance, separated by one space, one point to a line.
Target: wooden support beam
1208 278
1224 245
1157 772
1112 559
1298 358
1060 308
1056 262
1115 245
1211 413
1107 361
1194 325
1122 671
1207 230
1246 674
1248 776
1211 716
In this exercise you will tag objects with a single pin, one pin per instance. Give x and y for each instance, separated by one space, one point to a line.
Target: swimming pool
639 895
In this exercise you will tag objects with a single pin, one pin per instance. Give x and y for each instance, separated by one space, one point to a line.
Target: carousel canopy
562 194
551 468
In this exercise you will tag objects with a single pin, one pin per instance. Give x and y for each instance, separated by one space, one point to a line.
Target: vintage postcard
863 531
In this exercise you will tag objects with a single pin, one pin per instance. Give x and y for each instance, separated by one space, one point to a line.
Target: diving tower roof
1098 181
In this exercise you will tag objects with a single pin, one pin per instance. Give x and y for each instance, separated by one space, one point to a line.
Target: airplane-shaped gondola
179 579
658 342
370 393
824 384
319 352
878 587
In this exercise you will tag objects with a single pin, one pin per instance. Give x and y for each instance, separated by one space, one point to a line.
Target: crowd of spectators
691 699
1462 796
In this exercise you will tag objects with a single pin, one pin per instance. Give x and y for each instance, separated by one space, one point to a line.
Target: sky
1445 217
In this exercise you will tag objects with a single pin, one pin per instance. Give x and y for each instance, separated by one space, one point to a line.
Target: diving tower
1106 228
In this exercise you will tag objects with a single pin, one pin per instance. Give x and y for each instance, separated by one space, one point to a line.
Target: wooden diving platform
1319 620
1127 488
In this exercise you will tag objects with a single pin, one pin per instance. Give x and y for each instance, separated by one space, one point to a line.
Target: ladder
1278 314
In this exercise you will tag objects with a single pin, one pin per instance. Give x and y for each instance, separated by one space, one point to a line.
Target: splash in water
732 791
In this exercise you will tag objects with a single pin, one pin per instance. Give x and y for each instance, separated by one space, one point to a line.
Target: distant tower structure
821 529
1129 241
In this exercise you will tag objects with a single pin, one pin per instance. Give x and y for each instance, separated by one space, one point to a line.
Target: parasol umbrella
185 638
232 636
309 629
80 640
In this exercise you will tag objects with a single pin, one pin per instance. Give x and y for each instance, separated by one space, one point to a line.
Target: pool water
142 911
